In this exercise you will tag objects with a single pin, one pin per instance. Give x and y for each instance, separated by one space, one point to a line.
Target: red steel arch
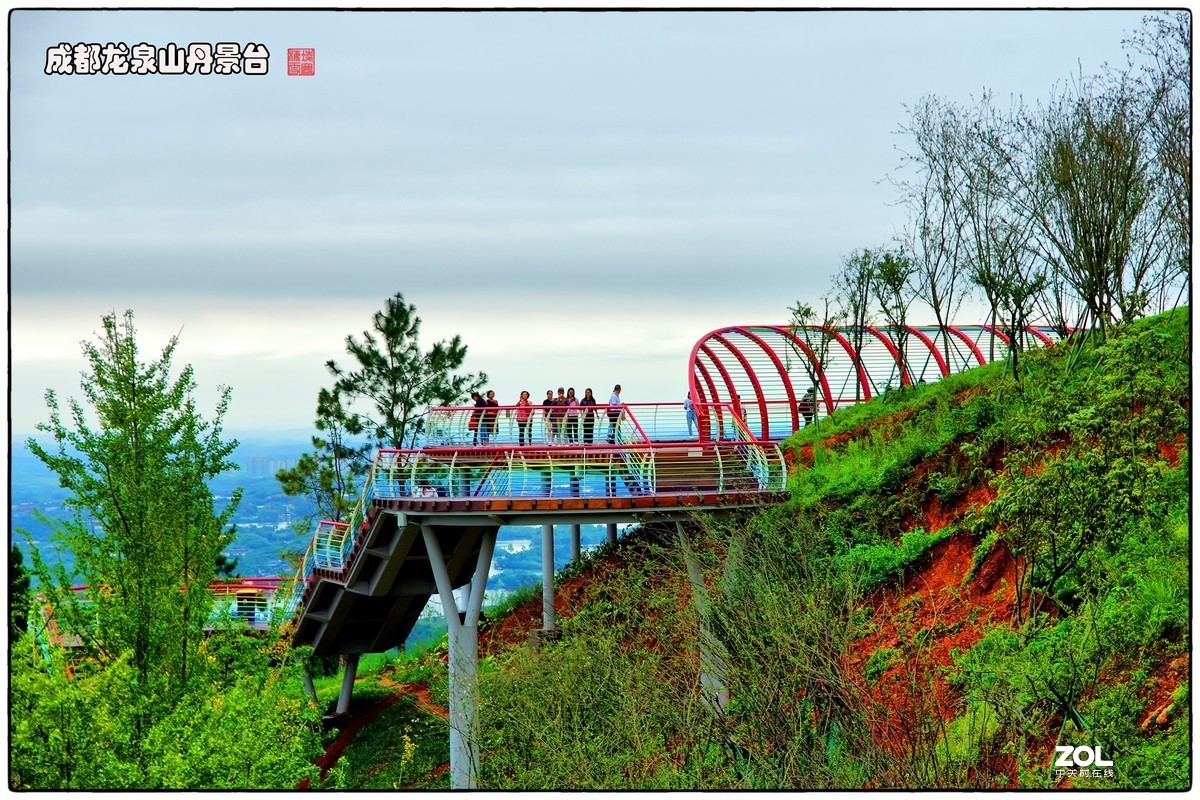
932 348
759 364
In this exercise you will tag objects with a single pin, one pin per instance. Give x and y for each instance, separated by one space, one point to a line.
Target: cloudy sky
582 196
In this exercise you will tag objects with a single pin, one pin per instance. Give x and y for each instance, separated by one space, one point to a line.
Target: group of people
569 419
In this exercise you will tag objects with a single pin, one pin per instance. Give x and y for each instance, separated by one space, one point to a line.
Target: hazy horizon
581 196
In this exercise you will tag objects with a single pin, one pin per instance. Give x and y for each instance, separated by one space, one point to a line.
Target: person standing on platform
689 409
614 413
547 416
572 416
476 420
524 412
808 405
588 415
560 415
491 415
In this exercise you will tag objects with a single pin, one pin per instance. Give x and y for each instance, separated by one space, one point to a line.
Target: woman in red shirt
524 412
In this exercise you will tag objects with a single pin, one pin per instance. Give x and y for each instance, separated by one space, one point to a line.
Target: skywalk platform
367 580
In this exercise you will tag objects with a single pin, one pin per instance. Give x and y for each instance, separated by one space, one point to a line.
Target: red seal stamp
302 61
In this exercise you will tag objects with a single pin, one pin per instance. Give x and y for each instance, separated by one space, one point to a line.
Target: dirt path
357 721
421 690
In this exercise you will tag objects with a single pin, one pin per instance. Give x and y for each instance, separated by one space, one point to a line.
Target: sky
581 196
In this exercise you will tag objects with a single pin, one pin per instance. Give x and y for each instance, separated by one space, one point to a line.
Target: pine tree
394 382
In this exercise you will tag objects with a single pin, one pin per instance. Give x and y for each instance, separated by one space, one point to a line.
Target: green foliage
590 714
881 661
69 734
333 472
145 697
513 600
243 726
19 598
257 733
146 533
1101 532
968 739
876 563
397 751
785 612
1084 496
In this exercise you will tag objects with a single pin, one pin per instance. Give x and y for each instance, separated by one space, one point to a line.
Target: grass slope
967 574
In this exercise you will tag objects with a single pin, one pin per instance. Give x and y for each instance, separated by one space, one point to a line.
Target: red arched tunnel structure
779 375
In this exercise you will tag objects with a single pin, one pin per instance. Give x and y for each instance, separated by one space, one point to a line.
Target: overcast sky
581 195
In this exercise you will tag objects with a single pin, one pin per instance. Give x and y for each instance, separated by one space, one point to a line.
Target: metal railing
254 601
564 460
330 548
654 468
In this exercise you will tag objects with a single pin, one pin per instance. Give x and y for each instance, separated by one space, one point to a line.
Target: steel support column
308 684
714 670
575 548
611 530
548 578
462 632
348 675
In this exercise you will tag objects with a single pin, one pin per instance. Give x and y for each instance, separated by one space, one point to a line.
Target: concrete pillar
464 707
714 668
575 548
462 631
611 530
348 674
308 684
548 578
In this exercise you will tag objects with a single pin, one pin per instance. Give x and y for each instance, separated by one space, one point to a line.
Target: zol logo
1082 756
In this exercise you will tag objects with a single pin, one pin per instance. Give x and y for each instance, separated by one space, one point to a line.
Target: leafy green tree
854 286
225 567
803 318
1082 174
146 532
1012 279
1166 39
332 473
894 274
936 196
394 382
136 685
18 595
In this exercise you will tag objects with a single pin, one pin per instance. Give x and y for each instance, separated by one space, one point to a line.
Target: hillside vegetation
967 574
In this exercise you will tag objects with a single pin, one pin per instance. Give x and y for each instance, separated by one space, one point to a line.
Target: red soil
929 616
357 719
938 515
1157 691
1170 450
423 701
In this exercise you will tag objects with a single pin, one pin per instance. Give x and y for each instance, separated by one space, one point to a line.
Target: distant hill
263 518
